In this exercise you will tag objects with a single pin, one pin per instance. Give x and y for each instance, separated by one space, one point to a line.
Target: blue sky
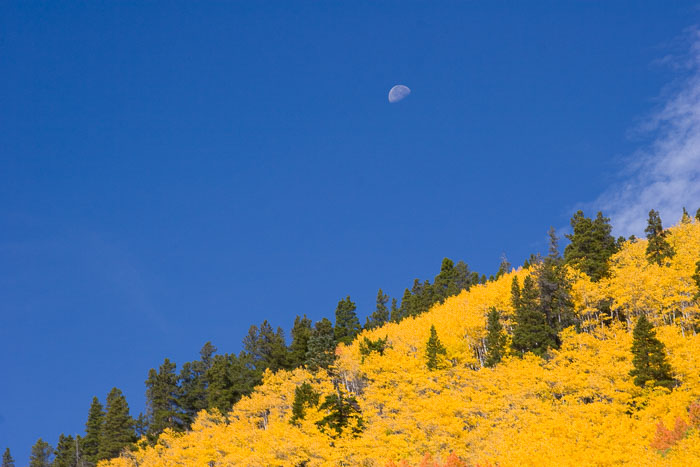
172 173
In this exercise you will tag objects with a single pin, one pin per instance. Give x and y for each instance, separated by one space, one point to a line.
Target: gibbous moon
398 93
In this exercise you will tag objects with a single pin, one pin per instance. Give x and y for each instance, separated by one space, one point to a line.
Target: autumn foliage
575 405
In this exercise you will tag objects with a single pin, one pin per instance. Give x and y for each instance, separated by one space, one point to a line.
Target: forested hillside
587 358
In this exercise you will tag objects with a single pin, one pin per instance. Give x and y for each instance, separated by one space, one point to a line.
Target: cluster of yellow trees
577 407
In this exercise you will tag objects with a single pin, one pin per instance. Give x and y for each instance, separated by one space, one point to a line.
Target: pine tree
555 289
347 326
433 350
696 279
342 412
406 308
118 427
321 353
90 444
531 332
7 460
395 311
380 316
515 293
495 339
650 363
685 218
162 394
230 377
446 282
463 280
301 333
40 455
697 214
267 348
194 385
304 396
65 455
367 346
504 267
591 245
658 248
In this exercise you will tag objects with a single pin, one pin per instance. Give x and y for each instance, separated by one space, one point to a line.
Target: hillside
576 406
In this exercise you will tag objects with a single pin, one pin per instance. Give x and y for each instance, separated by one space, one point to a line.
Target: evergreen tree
367 346
194 384
696 279
93 427
7 460
697 214
230 377
504 267
423 297
433 349
658 248
342 412
118 427
463 279
347 326
555 289
495 339
685 218
406 308
266 348
395 311
650 363
40 455
531 332
591 245
304 396
162 394
301 333
446 282
380 316
515 293
321 352
65 455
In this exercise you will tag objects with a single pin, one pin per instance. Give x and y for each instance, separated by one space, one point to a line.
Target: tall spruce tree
194 384
118 427
321 353
65 454
591 245
267 348
463 279
531 332
433 350
343 412
406 308
230 378
685 218
658 248
495 339
90 444
650 364
395 311
301 333
697 214
445 283
7 460
347 325
40 455
504 267
555 290
304 397
380 316
162 393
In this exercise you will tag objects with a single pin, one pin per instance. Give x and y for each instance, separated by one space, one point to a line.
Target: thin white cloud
665 175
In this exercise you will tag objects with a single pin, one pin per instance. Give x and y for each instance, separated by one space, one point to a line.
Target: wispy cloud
665 174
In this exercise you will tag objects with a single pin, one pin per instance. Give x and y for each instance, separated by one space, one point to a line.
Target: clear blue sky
171 173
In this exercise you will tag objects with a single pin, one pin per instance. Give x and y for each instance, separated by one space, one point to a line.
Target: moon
398 92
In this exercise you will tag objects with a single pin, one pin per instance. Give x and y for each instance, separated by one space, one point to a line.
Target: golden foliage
578 407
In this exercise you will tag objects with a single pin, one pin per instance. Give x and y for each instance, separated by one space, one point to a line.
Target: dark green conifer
301 333
118 427
696 279
395 311
407 307
65 455
343 411
321 352
230 378
697 214
592 245
380 316
515 293
433 349
267 348
555 289
367 346
90 444
650 364
162 394
304 396
347 325
504 267
7 460
658 248
446 282
40 455
495 339
531 332
685 218
194 384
